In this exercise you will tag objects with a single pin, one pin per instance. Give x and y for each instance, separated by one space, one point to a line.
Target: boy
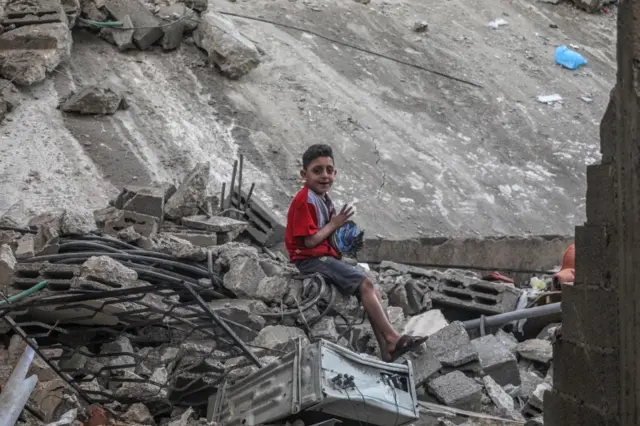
310 222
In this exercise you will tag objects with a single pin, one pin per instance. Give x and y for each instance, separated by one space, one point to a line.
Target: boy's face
319 175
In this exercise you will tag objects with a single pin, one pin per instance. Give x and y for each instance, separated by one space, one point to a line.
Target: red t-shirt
308 213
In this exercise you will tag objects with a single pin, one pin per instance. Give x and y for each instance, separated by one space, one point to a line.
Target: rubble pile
140 295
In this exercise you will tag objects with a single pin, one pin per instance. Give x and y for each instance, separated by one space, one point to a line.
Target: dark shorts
344 277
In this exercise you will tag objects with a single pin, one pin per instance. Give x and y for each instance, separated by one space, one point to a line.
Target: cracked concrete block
29 52
497 361
169 244
508 340
7 268
452 345
231 51
502 400
457 390
536 350
190 195
112 221
108 271
215 224
425 366
93 100
118 355
148 200
279 337
426 323
147 27
244 312
26 247
325 329
243 277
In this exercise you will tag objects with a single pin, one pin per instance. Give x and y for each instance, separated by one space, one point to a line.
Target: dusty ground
422 154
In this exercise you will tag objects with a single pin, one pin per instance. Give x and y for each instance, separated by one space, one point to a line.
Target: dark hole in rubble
62 275
453 283
483 289
457 295
28 274
486 300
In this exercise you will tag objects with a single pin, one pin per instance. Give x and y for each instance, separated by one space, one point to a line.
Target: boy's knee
367 287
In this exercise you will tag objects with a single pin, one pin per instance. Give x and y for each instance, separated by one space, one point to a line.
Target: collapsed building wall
596 353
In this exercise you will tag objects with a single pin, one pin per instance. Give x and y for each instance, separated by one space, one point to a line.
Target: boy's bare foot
401 346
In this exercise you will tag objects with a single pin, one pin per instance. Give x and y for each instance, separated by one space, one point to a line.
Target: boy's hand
341 218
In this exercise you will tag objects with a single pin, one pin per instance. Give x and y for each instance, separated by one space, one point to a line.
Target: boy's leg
385 334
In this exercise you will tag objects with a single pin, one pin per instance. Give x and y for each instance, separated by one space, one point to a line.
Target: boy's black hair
316 151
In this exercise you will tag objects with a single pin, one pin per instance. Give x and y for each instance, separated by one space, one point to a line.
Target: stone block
529 381
197 239
596 261
590 6
215 224
501 399
426 323
7 267
108 271
231 51
549 331
586 313
508 340
457 390
560 409
113 221
148 200
244 277
147 26
497 361
600 193
93 100
191 195
279 337
325 329
536 350
26 247
244 316
452 346
590 374
425 366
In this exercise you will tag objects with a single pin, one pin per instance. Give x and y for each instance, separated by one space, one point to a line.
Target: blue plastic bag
347 239
568 58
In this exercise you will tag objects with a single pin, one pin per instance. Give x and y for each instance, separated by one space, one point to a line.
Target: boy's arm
311 241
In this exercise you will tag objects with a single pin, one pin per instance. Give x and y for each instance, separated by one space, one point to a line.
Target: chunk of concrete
497 361
426 323
452 346
26 247
508 340
7 267
325 329
197 239
530 379
108 271
425 366
536 350
139 414
29 52
502 400
457 390
129 235
118 355
591 6
147 27
168 244
279 337
244 277
148 200
9 94
112 221
548 332
243 314
177 19
274 289
232 52
93 100
215 224
191 194
122 37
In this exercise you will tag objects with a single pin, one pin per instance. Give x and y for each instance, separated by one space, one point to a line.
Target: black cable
15 229
104 240
361 49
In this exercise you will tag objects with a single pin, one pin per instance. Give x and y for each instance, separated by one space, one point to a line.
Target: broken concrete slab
536 350
108 271
244 277
215 224
9 94
29 52
148 200
452 345
426 323
425 366
147 27
457 390
197 239
139 414
93 100
232 52
508 340
7 268
274 289
122 37
191 194
26 247
502 400
244 312
118 356
112 221
497 361
530 379
182 249
279 337
325 329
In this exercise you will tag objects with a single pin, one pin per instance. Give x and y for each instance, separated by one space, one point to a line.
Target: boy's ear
303 174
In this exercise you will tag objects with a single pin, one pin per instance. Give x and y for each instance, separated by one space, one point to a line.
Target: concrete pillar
596 360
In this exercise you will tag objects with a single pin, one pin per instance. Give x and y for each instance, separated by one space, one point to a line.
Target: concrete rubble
150 373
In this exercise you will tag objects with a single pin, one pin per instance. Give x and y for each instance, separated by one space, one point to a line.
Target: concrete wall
540 252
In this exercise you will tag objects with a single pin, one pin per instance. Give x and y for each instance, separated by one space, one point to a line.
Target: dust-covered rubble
146 355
